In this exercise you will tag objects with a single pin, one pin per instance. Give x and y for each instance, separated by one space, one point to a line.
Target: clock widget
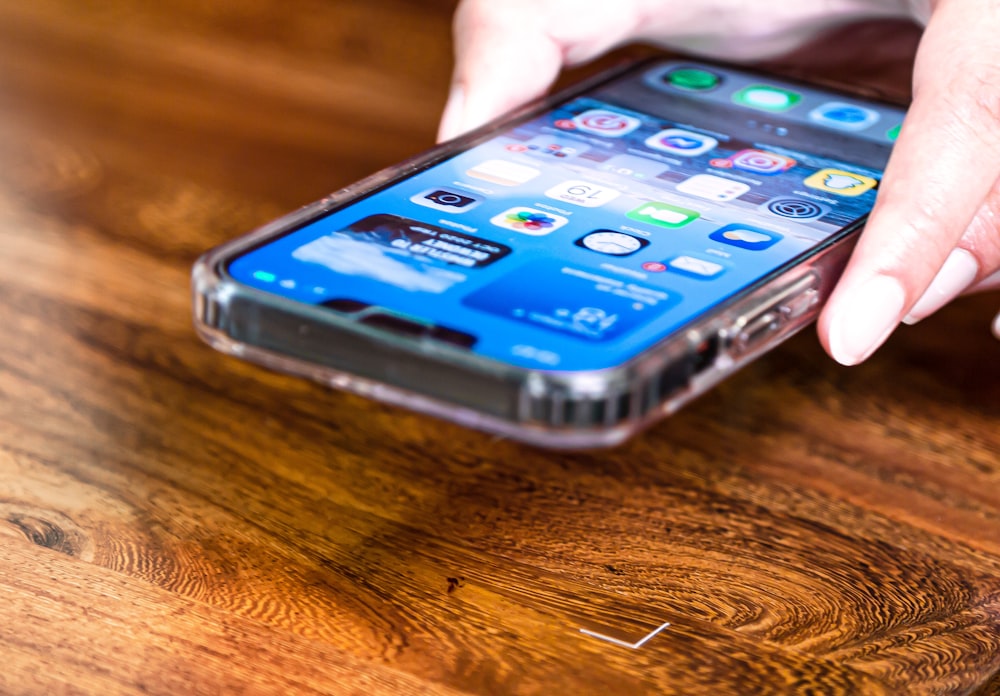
611 242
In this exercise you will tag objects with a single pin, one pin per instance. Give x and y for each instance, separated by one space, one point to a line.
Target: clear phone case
560 409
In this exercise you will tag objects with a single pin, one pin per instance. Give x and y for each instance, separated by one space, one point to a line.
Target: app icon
794 208
446 200
758 162
745 237
663 215
841 183
844 116
503 172
611 242
713 188
694 267
536 223
693 79
767 98
582 193
681 142
609 124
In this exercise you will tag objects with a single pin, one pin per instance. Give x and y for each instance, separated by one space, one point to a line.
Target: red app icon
761 162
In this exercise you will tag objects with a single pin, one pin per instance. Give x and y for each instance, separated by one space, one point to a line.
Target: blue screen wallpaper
578 239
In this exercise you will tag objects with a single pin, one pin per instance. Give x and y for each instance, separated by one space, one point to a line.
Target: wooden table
173 521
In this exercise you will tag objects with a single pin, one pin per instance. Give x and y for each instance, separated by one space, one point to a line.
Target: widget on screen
572 301
530 221
447 200
398 251
583 193
746 237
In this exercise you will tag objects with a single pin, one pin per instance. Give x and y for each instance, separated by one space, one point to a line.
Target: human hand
936 212
934 232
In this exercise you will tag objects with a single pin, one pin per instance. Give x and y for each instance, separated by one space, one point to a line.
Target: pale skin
935 230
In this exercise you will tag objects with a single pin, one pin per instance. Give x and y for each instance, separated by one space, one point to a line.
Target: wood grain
175 521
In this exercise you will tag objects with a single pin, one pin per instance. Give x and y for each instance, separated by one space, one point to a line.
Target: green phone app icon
663 215
767 98
694 79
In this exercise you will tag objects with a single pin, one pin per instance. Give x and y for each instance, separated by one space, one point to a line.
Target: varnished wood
174 521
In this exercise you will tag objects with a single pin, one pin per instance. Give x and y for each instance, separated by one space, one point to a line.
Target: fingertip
453 117
503 58
959 271
859 319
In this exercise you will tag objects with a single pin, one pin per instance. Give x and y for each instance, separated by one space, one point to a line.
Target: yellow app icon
840 182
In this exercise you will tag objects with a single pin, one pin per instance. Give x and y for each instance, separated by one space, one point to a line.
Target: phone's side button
796 306
757 329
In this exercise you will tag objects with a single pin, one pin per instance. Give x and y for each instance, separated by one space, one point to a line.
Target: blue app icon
844 116
745 237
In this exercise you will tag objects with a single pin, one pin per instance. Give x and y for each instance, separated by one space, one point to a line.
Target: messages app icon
663 215
767 98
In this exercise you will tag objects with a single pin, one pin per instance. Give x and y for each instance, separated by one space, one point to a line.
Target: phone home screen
577 239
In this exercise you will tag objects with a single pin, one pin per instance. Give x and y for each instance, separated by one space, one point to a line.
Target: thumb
508 53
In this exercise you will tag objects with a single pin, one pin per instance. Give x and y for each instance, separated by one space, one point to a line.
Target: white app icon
713 188
503 172
582 193
690 265
844 116
609 124
681 142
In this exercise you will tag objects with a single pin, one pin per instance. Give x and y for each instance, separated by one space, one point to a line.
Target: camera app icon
446 200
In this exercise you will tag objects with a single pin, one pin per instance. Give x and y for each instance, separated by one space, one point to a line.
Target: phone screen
577 239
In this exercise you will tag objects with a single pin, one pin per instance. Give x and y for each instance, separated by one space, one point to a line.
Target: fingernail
454 112
864 319
996 327
955 276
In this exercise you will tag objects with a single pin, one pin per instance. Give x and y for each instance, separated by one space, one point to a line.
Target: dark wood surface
173 521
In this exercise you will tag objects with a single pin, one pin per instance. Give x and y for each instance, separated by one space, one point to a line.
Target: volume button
796 306
757 329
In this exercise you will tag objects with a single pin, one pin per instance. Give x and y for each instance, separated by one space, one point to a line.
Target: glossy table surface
175 521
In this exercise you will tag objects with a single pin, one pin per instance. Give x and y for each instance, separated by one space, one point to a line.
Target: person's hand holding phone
935 231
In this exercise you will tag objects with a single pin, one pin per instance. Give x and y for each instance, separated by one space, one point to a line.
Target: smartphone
569 274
